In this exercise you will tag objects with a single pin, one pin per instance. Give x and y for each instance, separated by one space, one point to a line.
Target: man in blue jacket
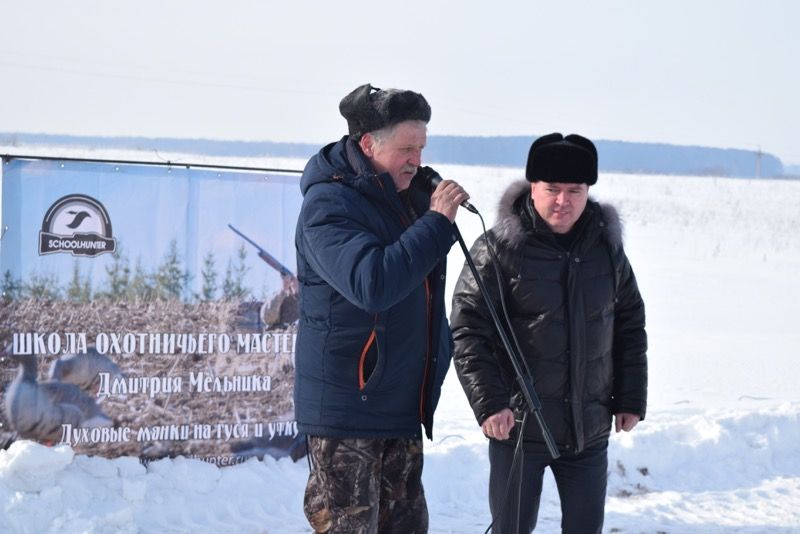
373 342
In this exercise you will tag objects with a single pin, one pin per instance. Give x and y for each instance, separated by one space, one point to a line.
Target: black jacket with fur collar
577 314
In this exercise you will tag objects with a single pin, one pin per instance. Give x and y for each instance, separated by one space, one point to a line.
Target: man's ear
367 142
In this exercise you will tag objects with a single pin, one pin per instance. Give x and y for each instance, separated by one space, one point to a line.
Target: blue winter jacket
373 343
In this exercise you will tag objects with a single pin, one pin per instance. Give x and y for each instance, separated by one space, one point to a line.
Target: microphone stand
532 403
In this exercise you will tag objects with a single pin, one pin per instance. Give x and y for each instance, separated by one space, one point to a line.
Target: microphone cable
517 460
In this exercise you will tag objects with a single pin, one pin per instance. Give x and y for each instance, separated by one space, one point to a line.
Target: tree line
168 280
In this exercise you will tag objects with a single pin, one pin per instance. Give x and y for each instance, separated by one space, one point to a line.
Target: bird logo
79 218
78 225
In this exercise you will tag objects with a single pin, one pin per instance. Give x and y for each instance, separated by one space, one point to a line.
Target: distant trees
209 276
11 287
38 286
142 284
118 274
233 285
168 280
79 288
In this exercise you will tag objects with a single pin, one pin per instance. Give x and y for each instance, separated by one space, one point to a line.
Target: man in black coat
577 314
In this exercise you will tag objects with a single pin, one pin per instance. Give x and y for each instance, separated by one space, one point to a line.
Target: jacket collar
514 225
343 161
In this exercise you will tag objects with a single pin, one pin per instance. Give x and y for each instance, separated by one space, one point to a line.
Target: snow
717 262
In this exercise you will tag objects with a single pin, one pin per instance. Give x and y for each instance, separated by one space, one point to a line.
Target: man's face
560 205
399 154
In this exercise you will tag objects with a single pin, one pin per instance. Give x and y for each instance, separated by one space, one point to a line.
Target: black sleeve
476 339
630 345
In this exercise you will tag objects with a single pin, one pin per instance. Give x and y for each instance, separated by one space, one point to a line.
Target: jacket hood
509 228
341 161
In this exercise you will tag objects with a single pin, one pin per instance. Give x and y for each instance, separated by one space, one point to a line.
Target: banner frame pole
172 164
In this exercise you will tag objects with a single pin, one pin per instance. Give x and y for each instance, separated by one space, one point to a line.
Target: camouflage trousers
365 486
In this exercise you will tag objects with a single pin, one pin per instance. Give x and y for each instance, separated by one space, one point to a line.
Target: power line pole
759 154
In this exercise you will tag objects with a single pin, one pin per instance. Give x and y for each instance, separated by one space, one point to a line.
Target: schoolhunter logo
77 224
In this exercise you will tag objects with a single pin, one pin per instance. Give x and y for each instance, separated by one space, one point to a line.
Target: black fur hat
555 158
368 108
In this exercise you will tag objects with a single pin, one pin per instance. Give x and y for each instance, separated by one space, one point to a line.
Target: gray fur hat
369 108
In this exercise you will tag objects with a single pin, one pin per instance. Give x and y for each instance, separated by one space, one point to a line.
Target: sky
718 453
704 73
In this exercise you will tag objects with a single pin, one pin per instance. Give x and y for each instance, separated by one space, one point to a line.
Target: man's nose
415 158
561 198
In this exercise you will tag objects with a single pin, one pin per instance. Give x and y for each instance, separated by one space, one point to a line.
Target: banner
148 310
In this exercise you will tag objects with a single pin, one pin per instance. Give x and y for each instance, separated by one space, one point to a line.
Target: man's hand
625 421
446 198
499 425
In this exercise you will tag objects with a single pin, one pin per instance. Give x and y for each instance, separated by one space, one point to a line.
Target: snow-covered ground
717 262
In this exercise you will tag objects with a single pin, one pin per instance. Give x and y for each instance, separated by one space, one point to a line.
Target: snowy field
717 262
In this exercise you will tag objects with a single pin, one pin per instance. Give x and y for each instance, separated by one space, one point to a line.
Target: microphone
430 179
